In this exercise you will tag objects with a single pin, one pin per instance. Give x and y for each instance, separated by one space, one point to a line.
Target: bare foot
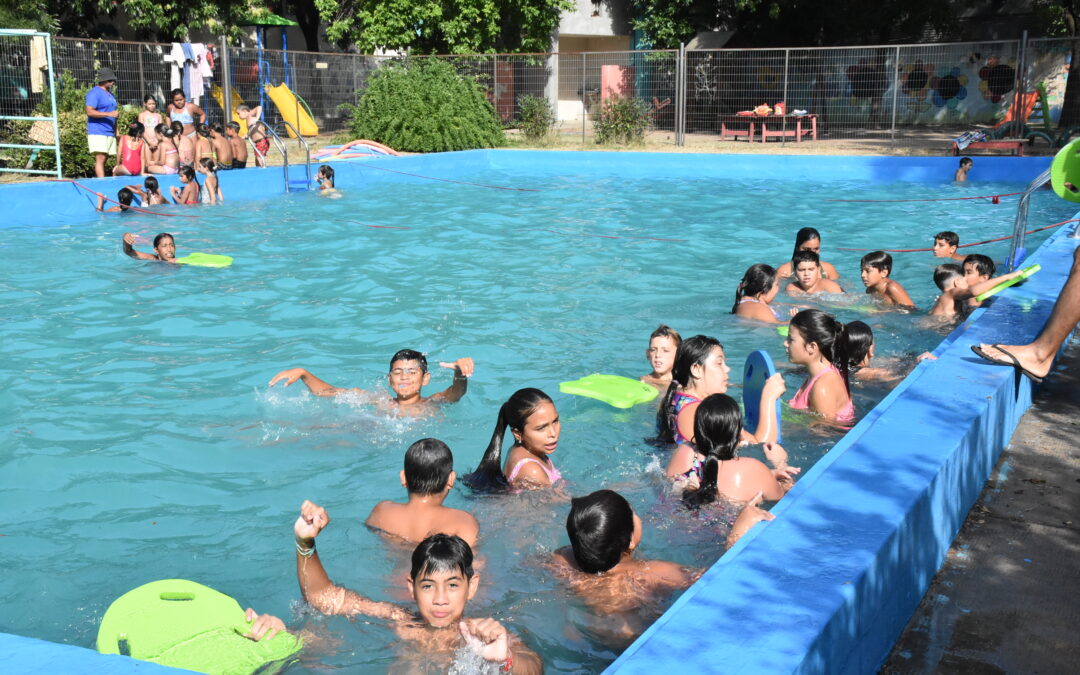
1027 355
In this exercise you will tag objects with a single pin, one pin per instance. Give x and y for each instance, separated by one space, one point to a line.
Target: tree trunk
307 15
1070 106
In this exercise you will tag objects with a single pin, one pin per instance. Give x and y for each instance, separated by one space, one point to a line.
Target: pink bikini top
801 401
552 473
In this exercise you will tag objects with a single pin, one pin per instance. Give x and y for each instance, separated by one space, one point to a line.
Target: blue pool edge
829 585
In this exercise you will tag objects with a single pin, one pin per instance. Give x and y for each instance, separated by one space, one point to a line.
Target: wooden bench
1016 146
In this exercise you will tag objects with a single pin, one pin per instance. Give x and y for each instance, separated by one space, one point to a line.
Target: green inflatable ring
1066 169
205 260
615 390
182 624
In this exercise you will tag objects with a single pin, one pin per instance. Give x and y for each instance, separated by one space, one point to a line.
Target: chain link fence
692 97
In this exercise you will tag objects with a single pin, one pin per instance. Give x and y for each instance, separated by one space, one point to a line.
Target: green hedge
424 105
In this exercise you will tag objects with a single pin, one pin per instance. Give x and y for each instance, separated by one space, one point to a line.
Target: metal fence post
142 79
680 96
584 110
895 95
226 82
787 62
495 85
1021 86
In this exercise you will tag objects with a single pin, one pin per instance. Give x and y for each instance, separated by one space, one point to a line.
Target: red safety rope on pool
384 227
366 165
993 198
608 236
977 243
133 208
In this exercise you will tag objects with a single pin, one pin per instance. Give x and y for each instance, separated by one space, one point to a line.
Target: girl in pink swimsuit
818 341
131 152
531 416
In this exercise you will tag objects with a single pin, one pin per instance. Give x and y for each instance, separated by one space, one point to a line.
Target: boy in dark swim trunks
239 148
222 147
255 133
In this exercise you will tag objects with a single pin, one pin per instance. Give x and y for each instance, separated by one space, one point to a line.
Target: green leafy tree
1062 17
32 14
426 106
443 26
171 21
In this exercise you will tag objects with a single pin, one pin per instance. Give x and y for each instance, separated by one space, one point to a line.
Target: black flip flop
1013 361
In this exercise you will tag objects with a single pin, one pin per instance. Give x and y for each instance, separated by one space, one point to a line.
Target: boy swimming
875 270
124 196
428 477
808 276
441 582
164 247
965 166
945 245
663 343
407 377
956 288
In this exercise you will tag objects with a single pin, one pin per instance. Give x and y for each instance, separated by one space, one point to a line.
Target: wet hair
663 330
174 92
149 97
409 355
151 185
879 260
758 279
209 164
217 128
441 553
965 161
513 413
187 171
983 265
829 334
235 126
136 129
203 130
177 127
125 197
802 236
950 238
693 351
328 171
804 256
162 235
717 432
428 464
601 527
858 338
943 274
162 130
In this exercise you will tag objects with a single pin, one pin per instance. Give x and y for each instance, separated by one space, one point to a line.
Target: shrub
425 106
622 120
537 118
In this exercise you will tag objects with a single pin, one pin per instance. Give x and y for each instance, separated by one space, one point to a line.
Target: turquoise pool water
140 440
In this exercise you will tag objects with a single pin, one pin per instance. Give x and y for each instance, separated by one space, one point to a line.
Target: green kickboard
205 260
183 624
1066 169
615 390
1024 274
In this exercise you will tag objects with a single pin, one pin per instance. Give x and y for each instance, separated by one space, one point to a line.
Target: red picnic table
790 126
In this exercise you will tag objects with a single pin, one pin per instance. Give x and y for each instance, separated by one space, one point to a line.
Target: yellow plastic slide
293 110
219 96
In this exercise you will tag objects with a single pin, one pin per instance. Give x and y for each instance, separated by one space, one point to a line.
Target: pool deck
1005 601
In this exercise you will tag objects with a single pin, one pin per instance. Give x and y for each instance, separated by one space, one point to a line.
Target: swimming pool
145 445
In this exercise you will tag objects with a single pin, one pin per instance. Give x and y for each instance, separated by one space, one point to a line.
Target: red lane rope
977 243
942 199
367 165
384 227
133 208
608 236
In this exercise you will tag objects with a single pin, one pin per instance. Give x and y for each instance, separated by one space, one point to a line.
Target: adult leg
1038 356
99 164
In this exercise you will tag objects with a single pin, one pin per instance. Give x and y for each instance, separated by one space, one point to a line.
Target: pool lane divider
828 586
976 243
994 199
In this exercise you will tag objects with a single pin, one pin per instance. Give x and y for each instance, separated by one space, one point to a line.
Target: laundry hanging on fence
39 64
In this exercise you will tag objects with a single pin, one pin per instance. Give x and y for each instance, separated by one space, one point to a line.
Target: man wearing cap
101 114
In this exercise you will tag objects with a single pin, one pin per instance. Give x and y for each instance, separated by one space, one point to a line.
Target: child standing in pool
188 194
210 193
757 289
150 193
164 247
441 582
407 377
428 477
808 279
124 197
663 344
534 422
807 239
817 340
945 245
875 269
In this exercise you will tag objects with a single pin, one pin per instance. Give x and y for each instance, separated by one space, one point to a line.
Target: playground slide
219 96
293 110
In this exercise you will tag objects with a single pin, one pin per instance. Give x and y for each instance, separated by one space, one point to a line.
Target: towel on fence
968 137
39 63
175 59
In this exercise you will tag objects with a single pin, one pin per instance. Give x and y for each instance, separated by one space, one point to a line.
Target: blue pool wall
829 584
26 655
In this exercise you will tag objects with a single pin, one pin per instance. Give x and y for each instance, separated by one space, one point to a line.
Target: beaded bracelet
305 552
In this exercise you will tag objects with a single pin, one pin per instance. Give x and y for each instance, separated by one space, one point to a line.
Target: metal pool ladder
1018 252
279 142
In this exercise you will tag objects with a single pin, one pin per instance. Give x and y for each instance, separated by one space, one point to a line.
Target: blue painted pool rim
828 585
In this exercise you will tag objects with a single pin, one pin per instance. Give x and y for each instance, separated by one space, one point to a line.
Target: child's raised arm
767 431
314 384
493 643
318 590
463 370
129 248
983 286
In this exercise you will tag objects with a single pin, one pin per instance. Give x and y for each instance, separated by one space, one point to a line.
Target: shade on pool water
140 440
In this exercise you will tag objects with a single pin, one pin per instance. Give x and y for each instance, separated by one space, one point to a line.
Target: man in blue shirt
101 114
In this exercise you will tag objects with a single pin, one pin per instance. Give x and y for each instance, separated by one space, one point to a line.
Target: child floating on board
807 239
875 269
756 290
533 420
819 342
428 477
663 344
164 247
945 245
441 582
808 278
700 370
407 377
